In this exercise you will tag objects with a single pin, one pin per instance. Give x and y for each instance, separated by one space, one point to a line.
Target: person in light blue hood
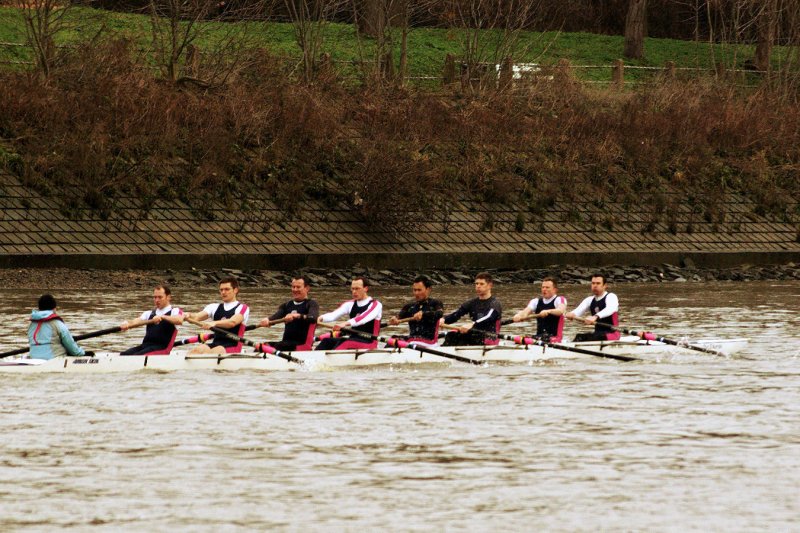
48 336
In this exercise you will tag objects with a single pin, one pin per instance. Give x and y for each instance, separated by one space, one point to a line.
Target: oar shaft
404 344
649 336
519 339
259 346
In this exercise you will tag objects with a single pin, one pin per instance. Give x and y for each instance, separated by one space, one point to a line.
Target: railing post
564 71
192 65
669 70
449 74
618 74
506 73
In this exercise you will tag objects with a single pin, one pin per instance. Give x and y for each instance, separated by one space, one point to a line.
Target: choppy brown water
702 443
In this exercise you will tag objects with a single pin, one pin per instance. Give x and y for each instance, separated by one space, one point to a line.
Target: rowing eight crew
424 314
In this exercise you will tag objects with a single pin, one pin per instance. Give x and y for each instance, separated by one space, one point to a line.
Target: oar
259 346
520 339
399 343
648 336
399 321
205 337
98 333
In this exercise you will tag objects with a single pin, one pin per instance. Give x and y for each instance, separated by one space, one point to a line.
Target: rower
48 335
485 312
548 310
230 315
300 315
604 309
161 325
424 313
364 315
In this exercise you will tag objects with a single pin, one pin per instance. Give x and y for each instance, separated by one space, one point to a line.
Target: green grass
427 46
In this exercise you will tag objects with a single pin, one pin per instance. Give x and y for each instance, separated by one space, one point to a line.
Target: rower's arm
199 317
522 315
176 319
228 323
561 307
67 341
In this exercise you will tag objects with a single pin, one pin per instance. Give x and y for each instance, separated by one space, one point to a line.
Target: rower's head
483 285
359 288
228 289
162 295
421 288
46 302
301 284
549 288
598 284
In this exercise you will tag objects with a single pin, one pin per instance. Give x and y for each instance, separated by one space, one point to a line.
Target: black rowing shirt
486 314
296 331
551 326
163 333
426 329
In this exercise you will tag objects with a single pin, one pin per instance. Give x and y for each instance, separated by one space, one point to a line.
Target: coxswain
424 313
548 310
485 312
162 322
364 315
603 306
300 316
230 315
48 335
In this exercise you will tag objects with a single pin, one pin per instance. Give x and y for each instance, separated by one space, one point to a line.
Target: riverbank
63 278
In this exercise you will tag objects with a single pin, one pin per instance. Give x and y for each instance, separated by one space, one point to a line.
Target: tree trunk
766 37
635 29
371 17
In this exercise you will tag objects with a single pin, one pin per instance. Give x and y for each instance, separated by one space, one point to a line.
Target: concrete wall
35 233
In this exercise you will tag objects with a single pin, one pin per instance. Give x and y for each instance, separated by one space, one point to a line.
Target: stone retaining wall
260 235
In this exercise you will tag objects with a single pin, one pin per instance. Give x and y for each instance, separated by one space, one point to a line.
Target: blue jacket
49 337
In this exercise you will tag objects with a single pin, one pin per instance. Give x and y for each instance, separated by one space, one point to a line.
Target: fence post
564 71
506 73
192 61
325 68
669 70
387 66
618 74
719 69
449 74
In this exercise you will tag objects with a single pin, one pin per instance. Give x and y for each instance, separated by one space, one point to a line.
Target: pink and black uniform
158 338
224 311
426 330
606 309
486 316
365 315
299 333
550 327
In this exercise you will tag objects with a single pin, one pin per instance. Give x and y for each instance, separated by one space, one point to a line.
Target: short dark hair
306 279
484 276
230 279
167 290
363 279
601 276
46 302
425 280
552 280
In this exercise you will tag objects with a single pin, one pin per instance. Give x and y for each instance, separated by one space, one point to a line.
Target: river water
698 443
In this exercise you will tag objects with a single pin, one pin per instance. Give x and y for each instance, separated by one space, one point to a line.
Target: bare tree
635 29
491 32
177 26
310 19
46 21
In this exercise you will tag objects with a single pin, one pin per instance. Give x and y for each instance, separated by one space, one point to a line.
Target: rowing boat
318 360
